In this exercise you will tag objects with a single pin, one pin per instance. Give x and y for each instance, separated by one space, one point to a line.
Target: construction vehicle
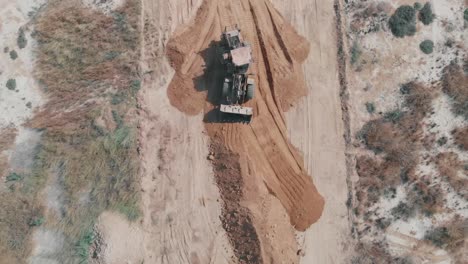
238 87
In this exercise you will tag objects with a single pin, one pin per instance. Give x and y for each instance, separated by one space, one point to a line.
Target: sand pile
278 52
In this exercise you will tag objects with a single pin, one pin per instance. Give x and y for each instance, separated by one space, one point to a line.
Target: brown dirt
278 52
236 219
461 137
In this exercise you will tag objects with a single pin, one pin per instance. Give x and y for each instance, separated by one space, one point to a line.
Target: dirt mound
278 52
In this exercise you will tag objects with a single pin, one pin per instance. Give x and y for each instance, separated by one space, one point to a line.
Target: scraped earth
278 51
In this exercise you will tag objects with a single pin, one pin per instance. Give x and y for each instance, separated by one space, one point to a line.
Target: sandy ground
316 128
18 104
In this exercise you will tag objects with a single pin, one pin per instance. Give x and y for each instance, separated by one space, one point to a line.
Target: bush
465 14
403 21
427 46
370 107
11 84
439 236
417 6
425 15
393 116
36 221
21 41
13 55
13 177
403 211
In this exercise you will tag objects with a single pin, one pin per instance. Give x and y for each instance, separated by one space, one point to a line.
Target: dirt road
315 127
181 213
176 204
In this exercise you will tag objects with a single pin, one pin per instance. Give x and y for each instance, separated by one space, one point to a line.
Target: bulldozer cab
233 38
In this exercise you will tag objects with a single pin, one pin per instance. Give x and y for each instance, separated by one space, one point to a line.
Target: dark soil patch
236 219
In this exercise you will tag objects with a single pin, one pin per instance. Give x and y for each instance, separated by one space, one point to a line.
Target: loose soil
278 51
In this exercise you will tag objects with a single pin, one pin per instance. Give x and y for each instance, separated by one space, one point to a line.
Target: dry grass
460 136
84 58
449 167
7 139
455 84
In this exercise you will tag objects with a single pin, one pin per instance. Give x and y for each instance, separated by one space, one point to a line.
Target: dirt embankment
278 51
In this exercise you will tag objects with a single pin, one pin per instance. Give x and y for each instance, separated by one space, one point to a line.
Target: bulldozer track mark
278 36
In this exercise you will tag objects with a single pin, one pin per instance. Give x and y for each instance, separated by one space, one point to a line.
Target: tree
427 46
425 15
403 22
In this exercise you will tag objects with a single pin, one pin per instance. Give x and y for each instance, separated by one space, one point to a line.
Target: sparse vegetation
370 107
442 141
395 137
439 236
460 136
403 211
427 46
425 14
455 85
21 40
11 84
13 55
83 244
403 22
77 61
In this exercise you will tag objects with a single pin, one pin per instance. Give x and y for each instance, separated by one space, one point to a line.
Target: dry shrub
7 138
74 61
426 198
15 226
83 57
397 137
449 166
455 84
460 136
450 236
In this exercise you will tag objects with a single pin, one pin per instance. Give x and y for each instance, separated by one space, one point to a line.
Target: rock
211 157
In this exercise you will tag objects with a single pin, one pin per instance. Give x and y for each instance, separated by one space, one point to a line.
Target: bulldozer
238 86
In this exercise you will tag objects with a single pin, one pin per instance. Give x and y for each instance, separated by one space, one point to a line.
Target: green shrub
403 211
13 55
465 14
417 6
83 244
21 41
370 107
425 14
394 115
442 141
11 84
13 177
36 221
427 46
403 22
